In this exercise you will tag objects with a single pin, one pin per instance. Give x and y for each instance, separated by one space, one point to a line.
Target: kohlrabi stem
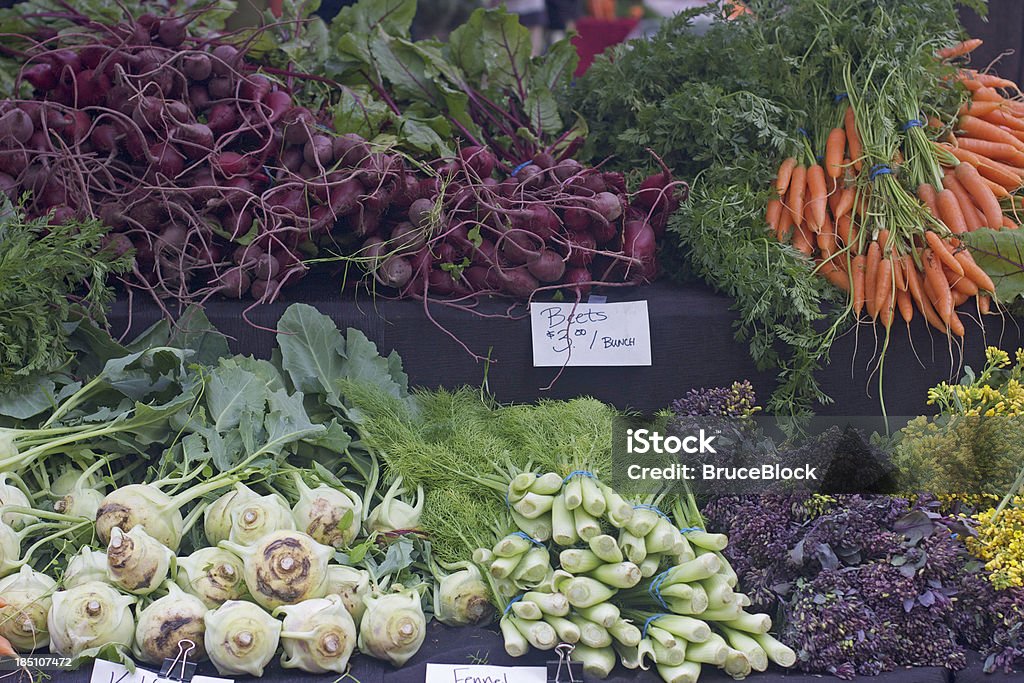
194 516
222 480
42 514
43 541
72 401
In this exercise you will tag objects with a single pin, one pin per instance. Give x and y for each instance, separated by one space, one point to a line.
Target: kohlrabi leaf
366 366
287 422
1001 254
231 391
27 399
194 331
312 351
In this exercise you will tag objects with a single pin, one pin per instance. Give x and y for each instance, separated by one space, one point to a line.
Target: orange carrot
926 193
972 217
1008 223
960 284
859 295
981 194
984 304
785 174
899 264
998 190
974 271
983 130
935 282
905 304
959 299
883 284
949 212
871 278
960 49
827 239
955 325
993 81
6 650
802 240
845 204
998 172
784 229
774 209
817 197
994 150
998 117
834 274
795 198
979 109
853 138
942 250
921 298
981 93
835 148
845 237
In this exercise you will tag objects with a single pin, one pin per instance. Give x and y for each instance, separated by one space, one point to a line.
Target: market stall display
272 457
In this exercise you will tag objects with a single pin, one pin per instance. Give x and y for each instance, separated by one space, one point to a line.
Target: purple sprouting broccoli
738 400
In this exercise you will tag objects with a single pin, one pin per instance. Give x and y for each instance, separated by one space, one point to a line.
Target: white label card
473 673
109 672
590 335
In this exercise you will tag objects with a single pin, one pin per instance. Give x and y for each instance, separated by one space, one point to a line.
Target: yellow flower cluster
997 391
1000 543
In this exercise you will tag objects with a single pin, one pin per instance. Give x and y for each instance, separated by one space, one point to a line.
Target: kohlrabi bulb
331 516
318 635
70 480
213 575
10 550
28 596
284 567
393 627
241 638
393 513
462 599
88 565
254 518
217 517
14 496
137 562
79 503
351 585
141 505
88 616
166 622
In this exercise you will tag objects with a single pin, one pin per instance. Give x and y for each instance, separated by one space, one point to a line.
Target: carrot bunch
892 250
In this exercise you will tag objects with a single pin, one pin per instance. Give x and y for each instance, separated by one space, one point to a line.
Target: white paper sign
109 672
590 335
472 673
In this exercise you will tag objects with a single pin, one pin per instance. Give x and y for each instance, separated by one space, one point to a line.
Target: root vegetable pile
207 170
549 225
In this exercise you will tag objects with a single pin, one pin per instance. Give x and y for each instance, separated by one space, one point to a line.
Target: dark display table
483 646
692 346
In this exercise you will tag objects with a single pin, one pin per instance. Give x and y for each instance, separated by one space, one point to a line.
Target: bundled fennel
631 583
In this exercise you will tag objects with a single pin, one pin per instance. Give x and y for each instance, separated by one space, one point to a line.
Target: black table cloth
692 346
445 645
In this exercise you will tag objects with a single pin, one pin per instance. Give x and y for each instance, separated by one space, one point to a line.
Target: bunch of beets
222 185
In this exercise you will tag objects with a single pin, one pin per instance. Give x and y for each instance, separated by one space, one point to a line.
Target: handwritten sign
473 673
109 672
590 335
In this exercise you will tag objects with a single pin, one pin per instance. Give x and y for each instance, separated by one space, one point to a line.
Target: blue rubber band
653 509
841 96
510 603
528 537
880 169
520 167
820 157
508 503
804 132
654 590
648 623
579 473
913 123
688 529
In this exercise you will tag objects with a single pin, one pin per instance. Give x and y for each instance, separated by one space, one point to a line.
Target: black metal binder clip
565 670
179 668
